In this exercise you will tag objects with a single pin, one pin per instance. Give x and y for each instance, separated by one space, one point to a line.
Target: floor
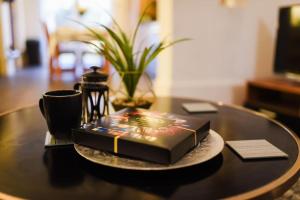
293 193
27 86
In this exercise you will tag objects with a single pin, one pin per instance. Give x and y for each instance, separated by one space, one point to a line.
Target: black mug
62 110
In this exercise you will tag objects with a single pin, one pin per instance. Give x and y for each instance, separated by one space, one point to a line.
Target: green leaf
124 47
146 51
124 36
177 41
153 55
117 48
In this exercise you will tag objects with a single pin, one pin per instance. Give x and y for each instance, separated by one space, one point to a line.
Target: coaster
253 149
199 107
51 141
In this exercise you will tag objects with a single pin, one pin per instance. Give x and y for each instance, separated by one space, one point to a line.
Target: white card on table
199 107
51 141
253 149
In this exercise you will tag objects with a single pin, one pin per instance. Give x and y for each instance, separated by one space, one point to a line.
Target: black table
28 170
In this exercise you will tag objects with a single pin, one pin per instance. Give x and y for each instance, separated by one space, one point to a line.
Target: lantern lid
94 76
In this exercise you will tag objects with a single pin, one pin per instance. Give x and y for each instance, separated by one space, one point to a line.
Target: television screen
287 55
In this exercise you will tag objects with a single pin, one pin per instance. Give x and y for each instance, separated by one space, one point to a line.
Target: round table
28 170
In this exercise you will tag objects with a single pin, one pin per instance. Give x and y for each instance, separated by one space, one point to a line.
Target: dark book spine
93 140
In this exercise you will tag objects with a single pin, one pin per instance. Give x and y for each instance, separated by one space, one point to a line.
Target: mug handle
76 86
41 104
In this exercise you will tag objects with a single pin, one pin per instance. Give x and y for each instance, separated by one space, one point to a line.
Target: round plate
210 147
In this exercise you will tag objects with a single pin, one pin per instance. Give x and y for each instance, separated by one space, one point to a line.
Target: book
142 134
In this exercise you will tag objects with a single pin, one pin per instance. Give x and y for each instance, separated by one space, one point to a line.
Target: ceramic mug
62 110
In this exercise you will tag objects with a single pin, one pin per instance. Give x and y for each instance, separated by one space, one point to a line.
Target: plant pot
131 89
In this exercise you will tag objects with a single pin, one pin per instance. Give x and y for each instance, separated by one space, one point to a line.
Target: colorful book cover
153 136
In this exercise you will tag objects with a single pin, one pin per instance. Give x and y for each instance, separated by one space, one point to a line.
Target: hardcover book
137 133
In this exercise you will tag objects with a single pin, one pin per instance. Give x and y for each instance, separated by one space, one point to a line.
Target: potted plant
118 48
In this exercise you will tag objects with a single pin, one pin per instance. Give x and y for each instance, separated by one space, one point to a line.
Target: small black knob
95 68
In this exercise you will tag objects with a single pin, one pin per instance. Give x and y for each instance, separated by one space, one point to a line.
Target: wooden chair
55 51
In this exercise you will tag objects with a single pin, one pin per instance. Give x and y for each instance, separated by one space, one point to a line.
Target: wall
229 46
20 24
126 13
3 65
163 81
32 19
7 66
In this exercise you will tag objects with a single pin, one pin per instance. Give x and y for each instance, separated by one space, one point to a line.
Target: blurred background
233 41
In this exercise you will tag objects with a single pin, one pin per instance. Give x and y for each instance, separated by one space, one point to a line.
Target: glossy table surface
28 170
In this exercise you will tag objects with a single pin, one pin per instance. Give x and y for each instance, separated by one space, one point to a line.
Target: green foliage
118 48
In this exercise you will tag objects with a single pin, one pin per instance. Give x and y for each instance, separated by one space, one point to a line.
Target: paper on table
252 149
199 107
51 141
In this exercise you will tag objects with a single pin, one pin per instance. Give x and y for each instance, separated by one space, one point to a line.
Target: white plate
210 147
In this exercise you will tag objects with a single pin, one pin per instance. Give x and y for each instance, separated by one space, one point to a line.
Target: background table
28 170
